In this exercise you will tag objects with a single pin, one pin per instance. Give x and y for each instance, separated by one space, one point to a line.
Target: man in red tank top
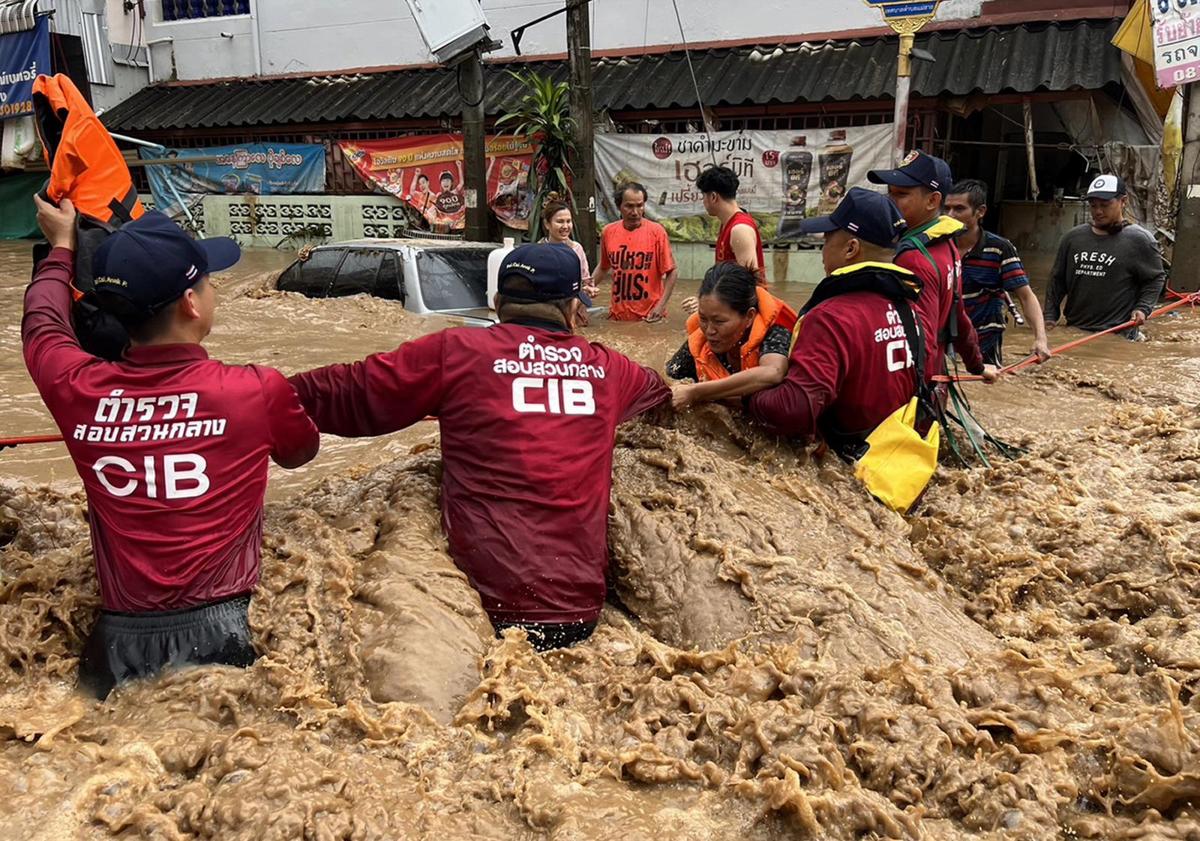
739 240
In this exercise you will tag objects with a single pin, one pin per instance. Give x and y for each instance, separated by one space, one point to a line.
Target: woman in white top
559 225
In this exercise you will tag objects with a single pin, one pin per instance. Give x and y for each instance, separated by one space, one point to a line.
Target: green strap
921 247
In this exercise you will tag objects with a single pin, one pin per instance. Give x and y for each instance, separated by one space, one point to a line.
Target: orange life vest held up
87 168
771 312
85 164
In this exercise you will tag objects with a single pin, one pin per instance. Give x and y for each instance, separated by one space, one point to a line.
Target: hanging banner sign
23 55
426 172
785 176
257 168
1176 42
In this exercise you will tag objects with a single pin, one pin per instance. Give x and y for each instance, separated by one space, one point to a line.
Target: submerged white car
427 276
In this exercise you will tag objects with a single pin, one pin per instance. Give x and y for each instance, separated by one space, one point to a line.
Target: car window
390 281
357 273
313 277
453 278
289 278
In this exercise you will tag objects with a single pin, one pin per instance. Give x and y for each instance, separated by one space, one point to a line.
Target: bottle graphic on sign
797 171
834 163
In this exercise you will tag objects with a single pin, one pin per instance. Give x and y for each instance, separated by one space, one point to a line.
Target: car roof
397 244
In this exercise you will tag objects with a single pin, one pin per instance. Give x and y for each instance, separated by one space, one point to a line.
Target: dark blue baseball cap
552 269
866 214
151 262
916 170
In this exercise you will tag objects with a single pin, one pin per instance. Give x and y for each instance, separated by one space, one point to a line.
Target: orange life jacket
771 312
85 164
87 168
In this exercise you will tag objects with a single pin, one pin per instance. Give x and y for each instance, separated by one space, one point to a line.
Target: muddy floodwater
781 656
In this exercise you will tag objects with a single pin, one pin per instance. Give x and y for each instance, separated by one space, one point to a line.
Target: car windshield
453 278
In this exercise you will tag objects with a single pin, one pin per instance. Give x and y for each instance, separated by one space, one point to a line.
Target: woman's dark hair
735 286
552 205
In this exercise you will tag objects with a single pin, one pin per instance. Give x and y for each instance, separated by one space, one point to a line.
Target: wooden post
1185 277
1030 154
474 163
579 53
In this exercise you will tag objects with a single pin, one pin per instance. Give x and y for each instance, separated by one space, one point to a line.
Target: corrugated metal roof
1019 59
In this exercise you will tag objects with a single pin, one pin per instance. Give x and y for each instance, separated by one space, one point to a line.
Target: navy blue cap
151 261
552 268
916 170
866 214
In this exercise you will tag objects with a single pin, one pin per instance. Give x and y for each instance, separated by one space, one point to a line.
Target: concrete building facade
276 37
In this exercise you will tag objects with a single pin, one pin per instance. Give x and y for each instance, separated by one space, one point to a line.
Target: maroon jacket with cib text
528 417
172 449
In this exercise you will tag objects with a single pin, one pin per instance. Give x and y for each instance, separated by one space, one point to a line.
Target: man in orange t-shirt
637 253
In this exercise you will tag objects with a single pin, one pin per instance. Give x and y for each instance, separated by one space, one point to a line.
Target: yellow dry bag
899 461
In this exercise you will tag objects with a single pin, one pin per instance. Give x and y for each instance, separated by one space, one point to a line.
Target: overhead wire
687 54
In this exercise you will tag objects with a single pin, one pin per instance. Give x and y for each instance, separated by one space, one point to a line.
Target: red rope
30 439
1192 299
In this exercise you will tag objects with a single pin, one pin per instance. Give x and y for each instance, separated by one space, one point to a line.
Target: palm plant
543 115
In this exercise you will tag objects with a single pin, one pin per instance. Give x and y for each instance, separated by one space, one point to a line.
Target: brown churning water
788 659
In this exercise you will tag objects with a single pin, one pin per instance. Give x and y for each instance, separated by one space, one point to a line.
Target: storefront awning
1030 58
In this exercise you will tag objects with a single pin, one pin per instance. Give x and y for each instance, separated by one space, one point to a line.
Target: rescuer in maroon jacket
928 250
171 446
528 414
851 364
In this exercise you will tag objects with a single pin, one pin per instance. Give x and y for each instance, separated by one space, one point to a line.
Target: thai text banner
785 175
1176 32
426 173
257 168
23 55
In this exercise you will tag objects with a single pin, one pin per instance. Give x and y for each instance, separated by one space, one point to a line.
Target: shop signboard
1176 33
893 10
23 55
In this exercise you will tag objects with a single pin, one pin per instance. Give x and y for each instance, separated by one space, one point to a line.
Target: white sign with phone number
1176 41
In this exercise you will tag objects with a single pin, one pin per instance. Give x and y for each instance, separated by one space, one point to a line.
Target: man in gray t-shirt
1109 271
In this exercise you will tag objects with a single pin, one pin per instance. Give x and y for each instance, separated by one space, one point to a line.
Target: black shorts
991 345
544 637
128 646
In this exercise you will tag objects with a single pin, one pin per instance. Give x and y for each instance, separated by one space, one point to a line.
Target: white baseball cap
1106 187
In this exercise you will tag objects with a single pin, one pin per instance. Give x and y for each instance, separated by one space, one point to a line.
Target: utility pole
474 162
579 53
906 18
903 88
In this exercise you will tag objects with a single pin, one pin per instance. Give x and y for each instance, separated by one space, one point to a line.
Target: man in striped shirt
992 275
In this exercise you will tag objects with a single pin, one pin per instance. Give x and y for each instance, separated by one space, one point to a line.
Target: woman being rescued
738 341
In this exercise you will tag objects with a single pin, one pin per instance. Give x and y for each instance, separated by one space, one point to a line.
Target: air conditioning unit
452 28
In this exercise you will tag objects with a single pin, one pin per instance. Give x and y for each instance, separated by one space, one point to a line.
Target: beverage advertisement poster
785 176
426 172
